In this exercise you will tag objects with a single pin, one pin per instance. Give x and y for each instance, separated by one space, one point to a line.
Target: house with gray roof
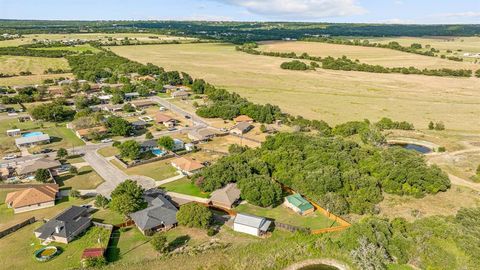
29 168
66 226
32 140
160 215
251 224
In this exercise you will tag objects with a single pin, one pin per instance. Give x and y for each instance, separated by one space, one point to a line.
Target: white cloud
467 14
299 9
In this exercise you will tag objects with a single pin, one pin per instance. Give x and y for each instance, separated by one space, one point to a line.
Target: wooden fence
16 227
291 228
143 162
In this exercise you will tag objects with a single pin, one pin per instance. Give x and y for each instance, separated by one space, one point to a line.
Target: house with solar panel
298 204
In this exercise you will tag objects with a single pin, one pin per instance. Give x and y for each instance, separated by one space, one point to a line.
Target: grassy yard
315 95
108 216
285 215
22 244
87 178
109 151
7 217
159 170
184 186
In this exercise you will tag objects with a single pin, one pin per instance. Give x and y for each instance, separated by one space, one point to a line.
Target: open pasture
468 44
333 96
368 55
36 65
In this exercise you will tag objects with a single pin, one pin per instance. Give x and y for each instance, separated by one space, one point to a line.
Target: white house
250 224
13 132
178 145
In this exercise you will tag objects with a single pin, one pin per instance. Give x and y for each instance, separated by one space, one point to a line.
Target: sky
354 11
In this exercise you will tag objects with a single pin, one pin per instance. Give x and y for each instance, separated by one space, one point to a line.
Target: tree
369 256
194 215
439 126
478 170
73 170
127 198
118 126
263 128
74 193
261 191
431 125
62 153
130 149
166 142
94 262
128 107
148 135
42 175
101 201
159 242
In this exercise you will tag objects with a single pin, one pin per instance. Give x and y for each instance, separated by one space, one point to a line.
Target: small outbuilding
225 197
14 132
298 204
250 224
241 128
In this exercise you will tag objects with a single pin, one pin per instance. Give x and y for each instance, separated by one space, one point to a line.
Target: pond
415 147
318 267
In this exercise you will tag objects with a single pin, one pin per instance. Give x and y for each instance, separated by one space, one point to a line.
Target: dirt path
462 182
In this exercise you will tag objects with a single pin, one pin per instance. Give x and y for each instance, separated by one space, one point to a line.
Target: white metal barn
250 224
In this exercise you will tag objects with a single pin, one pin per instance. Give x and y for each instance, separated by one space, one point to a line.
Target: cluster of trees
228 105
436 126
346 64
127 198
374 243
22 51
477 73
340 174
26 95
55 71
52 112
130 149
194 215
294 65
118 126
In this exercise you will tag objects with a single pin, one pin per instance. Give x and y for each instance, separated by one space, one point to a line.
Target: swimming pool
32 134
158 152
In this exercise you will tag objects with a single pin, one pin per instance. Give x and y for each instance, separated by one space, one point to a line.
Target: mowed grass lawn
185 186
109 151
60 135
86 178
333 96
37 65
159 170
16 249
287 216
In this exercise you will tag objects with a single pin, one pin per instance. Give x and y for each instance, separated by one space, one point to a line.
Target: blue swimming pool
158 152
32 134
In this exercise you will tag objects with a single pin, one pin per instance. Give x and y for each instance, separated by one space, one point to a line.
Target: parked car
46 150
187 117
9 157
106 140
172 129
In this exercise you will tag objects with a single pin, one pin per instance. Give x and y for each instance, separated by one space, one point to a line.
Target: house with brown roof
202 135
187 166
241 128
180 94
243 118
139 104
166 120
225 197
33 198
29 168
87 132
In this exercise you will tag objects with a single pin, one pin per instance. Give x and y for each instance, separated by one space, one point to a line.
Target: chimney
57 229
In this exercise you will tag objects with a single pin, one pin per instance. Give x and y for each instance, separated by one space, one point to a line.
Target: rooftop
33 165
298 201
160 211
227 195
186 164
260 223
32 139
67 222
34 195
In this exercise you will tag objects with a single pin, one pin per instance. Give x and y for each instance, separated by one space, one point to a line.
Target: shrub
194 215
42 175
211 231
101 201
159 242
94 262
62 153
166 142
74 193
294 65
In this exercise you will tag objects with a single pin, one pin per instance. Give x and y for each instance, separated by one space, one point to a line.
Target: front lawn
61 137
185 186
287 216
159 170
21 245
109 151
86 178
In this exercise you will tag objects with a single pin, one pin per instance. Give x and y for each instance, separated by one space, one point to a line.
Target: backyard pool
32 134
158 152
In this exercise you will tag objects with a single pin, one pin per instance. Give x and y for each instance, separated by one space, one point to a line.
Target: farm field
468 44
33 79
314 94
36 65
368 55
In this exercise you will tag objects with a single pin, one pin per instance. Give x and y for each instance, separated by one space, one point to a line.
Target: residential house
243 119
32 140
148 145
140 104
202 135
29 168
56 91
33 198
88 132
14 132
241 128
64 82
24 118
225 197
298 204
139 125
160 215
105 99
178 145
180 94
251 224
4 173
66 226
166 120
187 166
132 95
113 108
189 147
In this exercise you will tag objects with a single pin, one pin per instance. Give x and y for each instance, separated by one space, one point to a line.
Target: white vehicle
106 140
162 109
9 157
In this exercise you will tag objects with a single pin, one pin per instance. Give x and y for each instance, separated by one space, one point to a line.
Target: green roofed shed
298 204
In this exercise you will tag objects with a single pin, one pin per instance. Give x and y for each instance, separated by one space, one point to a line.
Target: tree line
23 51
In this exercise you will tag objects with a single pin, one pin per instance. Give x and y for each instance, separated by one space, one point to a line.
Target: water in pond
419 148
318 267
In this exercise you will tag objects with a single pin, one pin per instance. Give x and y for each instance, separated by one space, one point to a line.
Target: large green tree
127 197
130 149
166 142
194 215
